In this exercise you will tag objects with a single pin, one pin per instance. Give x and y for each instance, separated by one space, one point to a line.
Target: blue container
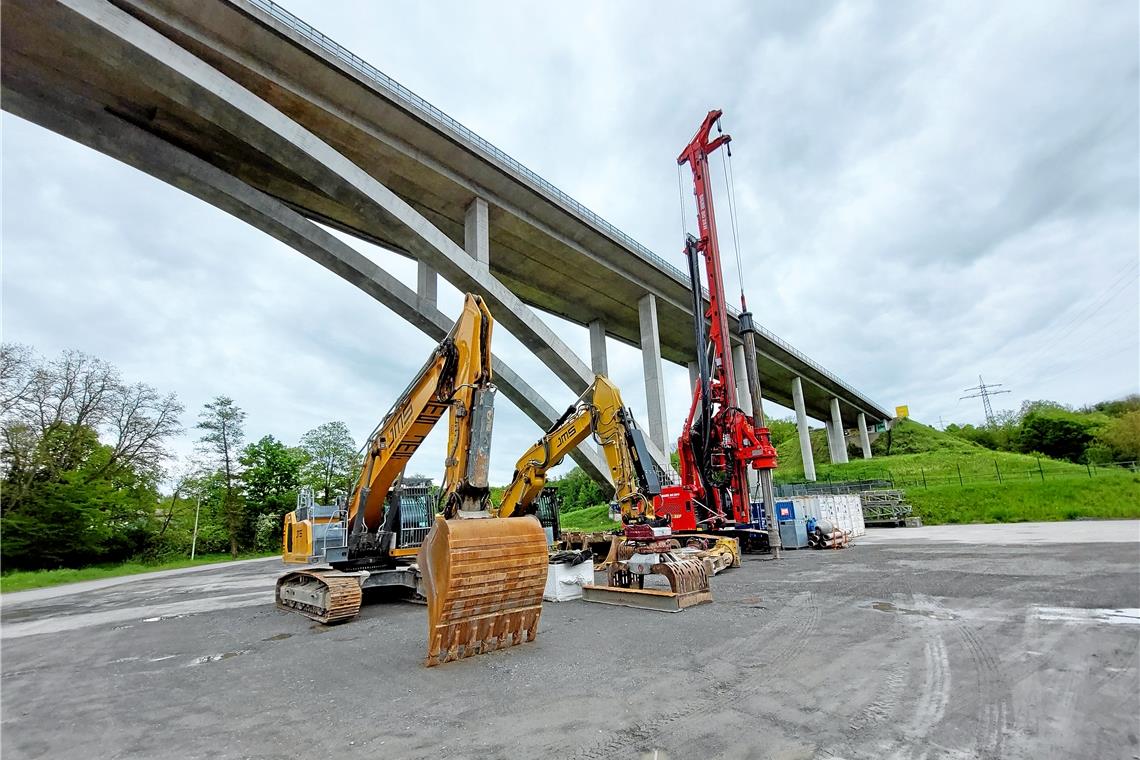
759 521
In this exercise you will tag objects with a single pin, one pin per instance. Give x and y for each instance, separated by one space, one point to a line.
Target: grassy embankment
590 519
950 480
20 580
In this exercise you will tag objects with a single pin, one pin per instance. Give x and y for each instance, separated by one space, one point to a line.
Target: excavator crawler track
325 595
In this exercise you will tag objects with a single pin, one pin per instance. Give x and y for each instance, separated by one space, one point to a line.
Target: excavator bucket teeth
483 579
327 596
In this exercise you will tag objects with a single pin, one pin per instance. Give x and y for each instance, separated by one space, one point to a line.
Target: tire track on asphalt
803 621
993 698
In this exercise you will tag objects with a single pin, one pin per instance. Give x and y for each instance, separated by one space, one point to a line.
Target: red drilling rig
720 442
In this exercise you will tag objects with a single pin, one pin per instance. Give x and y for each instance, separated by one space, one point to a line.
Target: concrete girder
408 145
102 131
103 31
187 80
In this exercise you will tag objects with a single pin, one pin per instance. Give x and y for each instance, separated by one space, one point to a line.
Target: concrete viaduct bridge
247 107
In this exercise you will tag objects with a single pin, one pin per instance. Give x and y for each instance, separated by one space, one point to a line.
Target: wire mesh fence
1041 470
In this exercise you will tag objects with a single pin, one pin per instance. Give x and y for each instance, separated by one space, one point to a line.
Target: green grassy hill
951 480
918 451
589 519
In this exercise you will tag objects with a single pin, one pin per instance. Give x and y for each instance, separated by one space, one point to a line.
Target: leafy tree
80 454
333 460
50 409
577 490
1057 432
1118 407
781 430
1122 435
271 477
221 421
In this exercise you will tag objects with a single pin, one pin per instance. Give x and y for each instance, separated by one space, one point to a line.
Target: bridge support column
651 362
599 361
829 429
864 439
802 429
694 375
476 232
740 370
427 283
839 444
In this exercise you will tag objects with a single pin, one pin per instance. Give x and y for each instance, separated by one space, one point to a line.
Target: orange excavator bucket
483 579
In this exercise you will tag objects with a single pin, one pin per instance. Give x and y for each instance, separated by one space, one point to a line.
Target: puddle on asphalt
216 657
1100 615
279 637
162 617
888 607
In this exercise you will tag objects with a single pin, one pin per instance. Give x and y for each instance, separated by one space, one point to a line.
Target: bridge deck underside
538 249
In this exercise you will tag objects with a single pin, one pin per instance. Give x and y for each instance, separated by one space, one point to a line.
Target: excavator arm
456 379
599 412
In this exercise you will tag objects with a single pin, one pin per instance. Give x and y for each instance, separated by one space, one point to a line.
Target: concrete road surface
975 641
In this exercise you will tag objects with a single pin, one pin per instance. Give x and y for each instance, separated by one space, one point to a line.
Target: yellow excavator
478 574
646 548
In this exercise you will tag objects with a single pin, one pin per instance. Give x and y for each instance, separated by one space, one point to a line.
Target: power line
984 392
1082 316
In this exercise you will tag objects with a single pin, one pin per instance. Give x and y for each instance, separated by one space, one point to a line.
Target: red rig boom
719 441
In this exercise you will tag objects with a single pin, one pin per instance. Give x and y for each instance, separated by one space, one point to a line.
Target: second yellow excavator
646 548
479 575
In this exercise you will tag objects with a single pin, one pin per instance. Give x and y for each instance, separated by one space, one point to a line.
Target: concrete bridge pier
427 285
476 232
864 439
838 442
802 429
599 358
651 362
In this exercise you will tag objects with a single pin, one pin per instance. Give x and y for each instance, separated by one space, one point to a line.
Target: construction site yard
988 641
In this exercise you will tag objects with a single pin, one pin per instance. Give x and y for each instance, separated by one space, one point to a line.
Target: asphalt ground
981 641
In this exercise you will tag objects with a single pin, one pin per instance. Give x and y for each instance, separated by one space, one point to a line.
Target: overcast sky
927 192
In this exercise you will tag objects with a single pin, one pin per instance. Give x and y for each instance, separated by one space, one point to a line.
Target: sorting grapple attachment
630 563
325 595
483 579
